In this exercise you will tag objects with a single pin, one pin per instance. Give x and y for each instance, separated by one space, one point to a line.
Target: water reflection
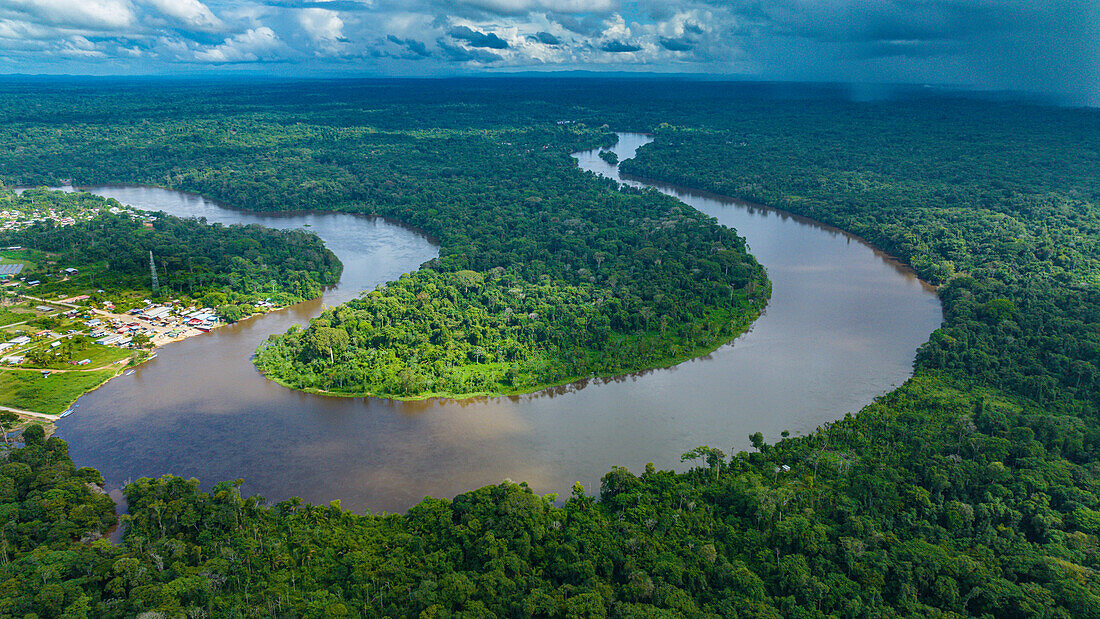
842 327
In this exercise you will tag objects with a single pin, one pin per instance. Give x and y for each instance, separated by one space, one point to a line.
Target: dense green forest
546 275
227 267
969 491
994 203
942 499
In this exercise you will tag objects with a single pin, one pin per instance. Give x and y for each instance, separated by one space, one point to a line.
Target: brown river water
842 327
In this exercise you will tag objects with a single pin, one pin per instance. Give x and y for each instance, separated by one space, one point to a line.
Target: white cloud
24 31
79 47
616 28
685 22
555 6
324 27
76 13
172 48
191 13
252 45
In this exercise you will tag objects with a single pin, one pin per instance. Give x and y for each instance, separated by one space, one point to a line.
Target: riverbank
840 328
43 395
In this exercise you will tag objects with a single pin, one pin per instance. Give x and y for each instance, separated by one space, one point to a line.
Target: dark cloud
691 28
588 25
547 38
418 48
457 53
618 47
1037 45
677 45
865 21
907 49
474 38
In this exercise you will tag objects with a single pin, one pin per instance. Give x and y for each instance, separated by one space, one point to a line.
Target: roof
10 269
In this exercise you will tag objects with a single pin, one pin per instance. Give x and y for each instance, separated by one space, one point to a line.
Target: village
77 343
14 217
146 327
73 319
82 347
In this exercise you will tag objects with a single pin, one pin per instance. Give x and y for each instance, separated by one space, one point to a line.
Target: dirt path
19 411
68 305
65 370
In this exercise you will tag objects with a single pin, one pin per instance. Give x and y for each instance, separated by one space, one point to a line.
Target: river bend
842 327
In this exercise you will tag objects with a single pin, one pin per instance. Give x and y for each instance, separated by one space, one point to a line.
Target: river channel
842 327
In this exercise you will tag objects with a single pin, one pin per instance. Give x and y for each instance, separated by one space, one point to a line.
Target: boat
152 356
67 412
128 373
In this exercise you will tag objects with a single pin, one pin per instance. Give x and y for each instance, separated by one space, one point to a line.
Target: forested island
546 276
971 490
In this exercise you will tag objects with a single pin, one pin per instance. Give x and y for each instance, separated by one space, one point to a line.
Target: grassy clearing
10 315
97 355
30 390
27 257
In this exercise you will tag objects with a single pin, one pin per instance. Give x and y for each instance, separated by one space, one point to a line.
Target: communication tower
153 270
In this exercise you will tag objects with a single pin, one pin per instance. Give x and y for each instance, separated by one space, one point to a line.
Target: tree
34 435
714 457
8 420
329 339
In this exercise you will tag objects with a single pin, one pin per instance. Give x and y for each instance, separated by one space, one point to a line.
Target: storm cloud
618 47
1051 46
677 45
473 38
546 38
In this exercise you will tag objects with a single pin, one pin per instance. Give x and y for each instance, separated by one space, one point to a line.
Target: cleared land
51 394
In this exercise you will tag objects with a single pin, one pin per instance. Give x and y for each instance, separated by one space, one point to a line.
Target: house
84 362
156 313
71 271
19 341
13 359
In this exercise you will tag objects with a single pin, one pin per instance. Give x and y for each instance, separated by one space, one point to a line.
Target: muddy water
842 327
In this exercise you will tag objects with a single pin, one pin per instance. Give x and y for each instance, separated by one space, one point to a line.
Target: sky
1042 46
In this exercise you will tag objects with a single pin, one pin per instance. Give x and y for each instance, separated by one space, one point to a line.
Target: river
842 327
